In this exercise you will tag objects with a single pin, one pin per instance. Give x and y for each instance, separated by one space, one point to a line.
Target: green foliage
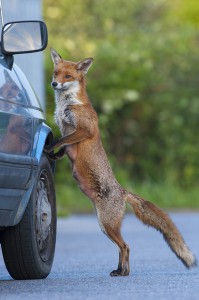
143 83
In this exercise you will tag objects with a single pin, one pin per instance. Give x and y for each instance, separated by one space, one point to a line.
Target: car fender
43 136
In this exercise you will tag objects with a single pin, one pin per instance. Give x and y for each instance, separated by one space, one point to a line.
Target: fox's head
67 74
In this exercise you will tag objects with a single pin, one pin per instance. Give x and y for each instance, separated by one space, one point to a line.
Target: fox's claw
47 149
54 156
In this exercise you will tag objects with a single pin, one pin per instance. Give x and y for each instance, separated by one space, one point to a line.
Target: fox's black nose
54 83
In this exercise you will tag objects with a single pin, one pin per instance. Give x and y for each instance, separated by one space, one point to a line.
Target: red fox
78 123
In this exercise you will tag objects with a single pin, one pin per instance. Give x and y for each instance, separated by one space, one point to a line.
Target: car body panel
17 174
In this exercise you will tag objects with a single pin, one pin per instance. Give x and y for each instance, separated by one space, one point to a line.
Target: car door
16 138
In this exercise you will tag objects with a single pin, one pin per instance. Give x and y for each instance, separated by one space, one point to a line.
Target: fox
80 141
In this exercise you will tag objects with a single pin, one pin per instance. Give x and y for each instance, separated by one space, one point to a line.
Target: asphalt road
84 258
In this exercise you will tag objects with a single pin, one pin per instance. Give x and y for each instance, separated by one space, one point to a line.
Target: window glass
15 133
10 87
32 98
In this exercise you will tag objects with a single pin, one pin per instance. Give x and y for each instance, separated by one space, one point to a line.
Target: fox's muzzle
54 84
59 86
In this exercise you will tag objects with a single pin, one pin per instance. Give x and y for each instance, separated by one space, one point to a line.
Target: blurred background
144 85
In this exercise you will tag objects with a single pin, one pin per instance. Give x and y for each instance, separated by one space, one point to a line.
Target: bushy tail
153 216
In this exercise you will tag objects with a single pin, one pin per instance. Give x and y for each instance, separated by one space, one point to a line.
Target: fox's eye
55 73
67 76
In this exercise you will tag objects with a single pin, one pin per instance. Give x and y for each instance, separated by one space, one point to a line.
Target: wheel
28 248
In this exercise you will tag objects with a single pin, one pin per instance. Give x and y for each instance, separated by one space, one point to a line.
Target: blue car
27 193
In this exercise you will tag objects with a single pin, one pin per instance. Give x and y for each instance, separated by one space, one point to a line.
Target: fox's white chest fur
64 116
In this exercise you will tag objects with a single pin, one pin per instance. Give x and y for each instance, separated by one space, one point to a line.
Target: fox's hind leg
110 220
123 265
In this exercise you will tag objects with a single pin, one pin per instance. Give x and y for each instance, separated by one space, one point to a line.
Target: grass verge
167 196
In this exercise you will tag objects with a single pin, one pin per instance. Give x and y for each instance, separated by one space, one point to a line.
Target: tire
28 248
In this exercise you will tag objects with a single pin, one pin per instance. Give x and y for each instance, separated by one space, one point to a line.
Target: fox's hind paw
119 272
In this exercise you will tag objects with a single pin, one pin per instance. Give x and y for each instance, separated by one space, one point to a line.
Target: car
27 192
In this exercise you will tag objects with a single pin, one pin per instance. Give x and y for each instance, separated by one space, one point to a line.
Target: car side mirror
23 37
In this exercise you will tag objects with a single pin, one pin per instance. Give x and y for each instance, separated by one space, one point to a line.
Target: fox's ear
56 58
84 64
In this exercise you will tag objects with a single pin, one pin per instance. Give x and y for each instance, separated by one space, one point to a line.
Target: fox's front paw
47 149
51 156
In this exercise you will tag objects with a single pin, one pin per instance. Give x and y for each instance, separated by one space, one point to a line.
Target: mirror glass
19 37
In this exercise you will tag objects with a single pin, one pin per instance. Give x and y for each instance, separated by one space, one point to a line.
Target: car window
32 98
15 132
10 88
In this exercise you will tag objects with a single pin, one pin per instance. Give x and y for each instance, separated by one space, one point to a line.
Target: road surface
84 258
